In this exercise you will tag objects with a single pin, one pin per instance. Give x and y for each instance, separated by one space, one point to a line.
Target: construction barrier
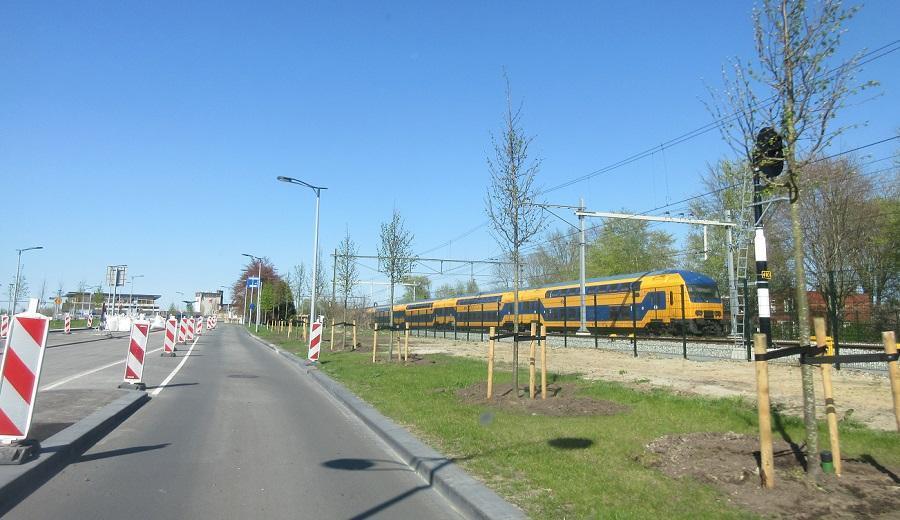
137 347
4 325
200 326
68 325
182 330
315 339
169 340
190 329
90 320
20 372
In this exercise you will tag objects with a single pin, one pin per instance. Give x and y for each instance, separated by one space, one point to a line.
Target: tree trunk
809 393
516 314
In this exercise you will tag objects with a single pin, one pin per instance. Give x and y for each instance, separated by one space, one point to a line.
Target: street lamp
131 296
18 270
258 286
315 267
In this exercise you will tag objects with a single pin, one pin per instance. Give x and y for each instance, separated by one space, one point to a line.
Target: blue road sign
252 282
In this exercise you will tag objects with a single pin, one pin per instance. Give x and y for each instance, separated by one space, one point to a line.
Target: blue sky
151 133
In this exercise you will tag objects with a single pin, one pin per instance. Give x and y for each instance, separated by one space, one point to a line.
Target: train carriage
656 302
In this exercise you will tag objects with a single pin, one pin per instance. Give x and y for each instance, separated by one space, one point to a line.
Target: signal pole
763 275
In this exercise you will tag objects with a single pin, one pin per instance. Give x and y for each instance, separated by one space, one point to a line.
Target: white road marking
162 385
61 382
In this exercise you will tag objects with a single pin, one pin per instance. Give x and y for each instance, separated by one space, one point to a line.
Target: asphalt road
239 432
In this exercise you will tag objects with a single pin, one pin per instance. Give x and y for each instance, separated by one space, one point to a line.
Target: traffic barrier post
830 414
890 348
767 466
190 329
90 321
68 324
4 326
315 339
20 373
490 381
200 326
169 339
182 330
134 360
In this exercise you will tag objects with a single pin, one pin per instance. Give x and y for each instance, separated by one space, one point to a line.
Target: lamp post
258 261
315 267
15 297
131 296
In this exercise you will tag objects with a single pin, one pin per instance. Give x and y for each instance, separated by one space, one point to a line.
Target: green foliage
629 246
422 291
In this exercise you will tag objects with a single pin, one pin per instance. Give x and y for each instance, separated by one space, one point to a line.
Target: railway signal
768 154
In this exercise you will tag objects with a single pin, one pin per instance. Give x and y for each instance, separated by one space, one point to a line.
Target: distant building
857 307
207 303
80 303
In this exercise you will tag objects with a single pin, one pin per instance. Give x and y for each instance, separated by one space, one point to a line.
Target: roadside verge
470 497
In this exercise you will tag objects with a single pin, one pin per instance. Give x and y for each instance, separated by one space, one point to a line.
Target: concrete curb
17 482
470 497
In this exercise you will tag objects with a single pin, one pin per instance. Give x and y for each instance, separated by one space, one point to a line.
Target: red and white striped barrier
4 325
209 323
137 347
90 320
315 338
169 340
182 330
68 325
20 373
200 326
190 329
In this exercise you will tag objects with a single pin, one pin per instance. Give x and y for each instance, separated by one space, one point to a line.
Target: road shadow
173 386
365 465
570 443
117 453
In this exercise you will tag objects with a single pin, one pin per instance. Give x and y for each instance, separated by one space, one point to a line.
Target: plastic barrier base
18 452
133 386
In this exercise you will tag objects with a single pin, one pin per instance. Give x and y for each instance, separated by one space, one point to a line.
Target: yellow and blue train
657 302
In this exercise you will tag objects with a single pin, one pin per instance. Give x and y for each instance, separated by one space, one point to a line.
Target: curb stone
469 496
17 482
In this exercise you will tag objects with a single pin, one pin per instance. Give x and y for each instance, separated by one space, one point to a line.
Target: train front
704 308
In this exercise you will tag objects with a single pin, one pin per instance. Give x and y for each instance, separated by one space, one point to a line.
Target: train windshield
704 293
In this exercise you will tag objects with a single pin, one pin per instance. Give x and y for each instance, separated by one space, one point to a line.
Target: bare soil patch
730 462
561 401
865 396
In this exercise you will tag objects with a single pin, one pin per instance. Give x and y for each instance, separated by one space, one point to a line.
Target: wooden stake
331 345
890 348
531 362
830 414
290 326
374 342
767 466
406 344
490 388
544 362
354 335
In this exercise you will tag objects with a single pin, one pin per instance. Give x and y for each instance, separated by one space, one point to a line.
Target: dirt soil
729 462
561 400
866 397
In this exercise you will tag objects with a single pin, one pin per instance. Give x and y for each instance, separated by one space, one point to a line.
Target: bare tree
346 274
795 45
298 279
511 198
395 259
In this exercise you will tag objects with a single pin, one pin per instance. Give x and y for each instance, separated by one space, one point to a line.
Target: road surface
239 432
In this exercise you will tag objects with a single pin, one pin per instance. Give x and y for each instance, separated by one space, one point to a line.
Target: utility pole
582 328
